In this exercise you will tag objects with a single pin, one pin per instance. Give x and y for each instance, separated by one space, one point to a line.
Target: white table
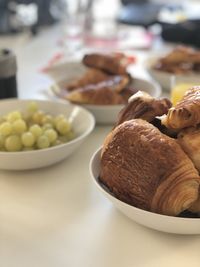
55 217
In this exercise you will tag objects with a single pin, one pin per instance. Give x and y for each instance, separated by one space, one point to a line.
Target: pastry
182 54
92 76
189 140
107 63
104 93
180 60
95 96
127 92
186 112
142 105
147 169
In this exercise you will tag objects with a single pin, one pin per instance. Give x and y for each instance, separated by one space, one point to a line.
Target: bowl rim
71 142
172 219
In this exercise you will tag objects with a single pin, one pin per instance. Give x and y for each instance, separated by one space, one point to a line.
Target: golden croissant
147 169
186 113
189 140
103 93
142 105
91 76
107 63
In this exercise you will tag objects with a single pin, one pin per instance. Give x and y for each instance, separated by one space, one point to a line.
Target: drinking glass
180 84
77 12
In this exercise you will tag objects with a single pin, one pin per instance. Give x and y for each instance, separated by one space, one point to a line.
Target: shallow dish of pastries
182 62
149 163
100 83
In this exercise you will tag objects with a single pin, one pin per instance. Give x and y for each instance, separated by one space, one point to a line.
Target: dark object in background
139 12
43 12
127 2
187 32
8 70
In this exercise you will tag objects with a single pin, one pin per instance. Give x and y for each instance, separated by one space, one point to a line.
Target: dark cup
8 71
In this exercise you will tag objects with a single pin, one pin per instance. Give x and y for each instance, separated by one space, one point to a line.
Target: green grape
2 140
32 107
28 139
13 116
47 119
58 118
36 130
6 128
2 119
63 126
13 143
27 117
47 126
38 116
43 142
19 126
51 134
57 142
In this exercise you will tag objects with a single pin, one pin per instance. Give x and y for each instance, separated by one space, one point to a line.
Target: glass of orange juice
180 84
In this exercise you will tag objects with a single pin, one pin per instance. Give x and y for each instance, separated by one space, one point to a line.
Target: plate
104 114
168 224
82 122
166 79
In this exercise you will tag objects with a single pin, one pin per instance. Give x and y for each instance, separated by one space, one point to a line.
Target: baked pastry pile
179 61
106 81
151 159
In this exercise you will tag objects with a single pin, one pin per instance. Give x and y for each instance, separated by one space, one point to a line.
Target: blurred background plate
166 79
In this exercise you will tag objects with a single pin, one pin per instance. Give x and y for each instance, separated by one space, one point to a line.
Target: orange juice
178 91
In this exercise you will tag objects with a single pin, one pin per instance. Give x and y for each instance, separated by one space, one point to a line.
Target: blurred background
104 19
42 32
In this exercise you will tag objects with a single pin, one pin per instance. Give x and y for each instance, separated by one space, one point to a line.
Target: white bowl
66 72
82 123
168 224
165 78
107 114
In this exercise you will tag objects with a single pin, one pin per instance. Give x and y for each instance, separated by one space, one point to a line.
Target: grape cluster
33 129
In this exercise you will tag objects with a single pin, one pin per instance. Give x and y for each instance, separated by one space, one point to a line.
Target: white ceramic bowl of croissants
149 164
99 82
181 63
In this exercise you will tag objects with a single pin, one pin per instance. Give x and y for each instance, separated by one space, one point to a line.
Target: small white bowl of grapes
40 133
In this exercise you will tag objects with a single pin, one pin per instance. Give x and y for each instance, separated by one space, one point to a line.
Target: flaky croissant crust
148 169
186 113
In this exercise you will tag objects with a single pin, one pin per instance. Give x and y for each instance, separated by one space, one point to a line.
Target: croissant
104 93
107 63
95 96
142 105
147 169
182 54
186 113
189 140
91 76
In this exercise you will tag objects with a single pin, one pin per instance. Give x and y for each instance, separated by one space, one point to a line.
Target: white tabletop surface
55 217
